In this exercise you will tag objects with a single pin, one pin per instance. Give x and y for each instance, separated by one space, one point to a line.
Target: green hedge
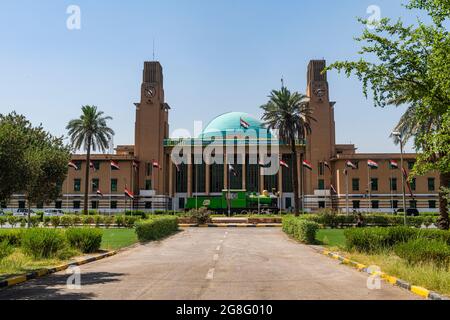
11 236
382 220
155 229
418 251
43 243
378 239
85 240
5 249
300 229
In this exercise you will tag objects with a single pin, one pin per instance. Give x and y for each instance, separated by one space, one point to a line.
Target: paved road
213 264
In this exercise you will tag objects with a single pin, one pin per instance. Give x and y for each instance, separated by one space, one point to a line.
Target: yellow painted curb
420 291
16 280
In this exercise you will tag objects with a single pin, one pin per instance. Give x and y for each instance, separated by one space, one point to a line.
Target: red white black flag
73 165
115 165
307 165
372 164
327 164
245 124
284 164
333 189
232 170
129 194
156 165
394 164
350 164
99 193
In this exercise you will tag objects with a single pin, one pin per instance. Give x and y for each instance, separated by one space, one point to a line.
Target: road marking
210 275
216 257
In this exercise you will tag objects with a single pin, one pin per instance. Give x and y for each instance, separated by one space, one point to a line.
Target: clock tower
151 129
321 143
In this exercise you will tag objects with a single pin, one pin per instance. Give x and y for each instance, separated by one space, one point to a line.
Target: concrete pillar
189 179
208 179
171 191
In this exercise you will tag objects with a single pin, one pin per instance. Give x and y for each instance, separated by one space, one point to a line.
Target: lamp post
400 137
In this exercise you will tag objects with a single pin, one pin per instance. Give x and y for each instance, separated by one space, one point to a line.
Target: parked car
24 213
53 213
409 212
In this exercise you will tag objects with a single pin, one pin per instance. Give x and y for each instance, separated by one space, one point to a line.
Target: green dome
229 124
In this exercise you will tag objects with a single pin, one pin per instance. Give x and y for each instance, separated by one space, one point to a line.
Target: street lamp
399 136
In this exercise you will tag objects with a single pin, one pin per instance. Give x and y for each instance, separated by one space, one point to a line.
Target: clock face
319 90
149 91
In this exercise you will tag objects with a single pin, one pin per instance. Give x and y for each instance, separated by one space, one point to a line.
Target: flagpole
369 189
229 191
391 188
132 185
346 193
67 191
110 189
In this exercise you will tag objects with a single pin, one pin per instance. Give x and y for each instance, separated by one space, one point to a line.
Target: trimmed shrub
98 220
155 229
12 221
108 221
130 221
120 221
88 220
43 243
201 215
56 221
136 213
46 221
35 221
86 240
424 251
66 221
3 221
11 236
300 229
77 220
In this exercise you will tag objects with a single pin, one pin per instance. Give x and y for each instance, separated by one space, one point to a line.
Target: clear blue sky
218 56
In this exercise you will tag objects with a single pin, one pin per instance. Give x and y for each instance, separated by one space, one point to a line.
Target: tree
35 161
291 115
91 132
410 65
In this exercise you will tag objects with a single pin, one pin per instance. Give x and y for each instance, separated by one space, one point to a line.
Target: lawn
114 239
331 237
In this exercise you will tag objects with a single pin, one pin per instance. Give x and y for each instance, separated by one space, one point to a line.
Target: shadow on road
54 287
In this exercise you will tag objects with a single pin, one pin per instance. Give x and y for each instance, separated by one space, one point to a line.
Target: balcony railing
224 142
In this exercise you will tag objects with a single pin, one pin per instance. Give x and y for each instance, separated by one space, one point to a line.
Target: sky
218 56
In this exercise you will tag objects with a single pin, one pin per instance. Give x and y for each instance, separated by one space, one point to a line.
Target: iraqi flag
284 164
156 165
372 164
333 189
307 165
129 194
350 164
73 165
393 164
99 193
232 170
115 165
326 164
245 124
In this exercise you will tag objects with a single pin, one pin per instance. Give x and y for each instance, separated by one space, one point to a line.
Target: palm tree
291 114
90 131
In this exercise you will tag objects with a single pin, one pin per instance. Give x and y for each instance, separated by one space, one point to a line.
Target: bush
66 221
423 251
108 221
136 213
5 249
130 221
12 220
77 220
300 229
46 221
84 239
3 221
120 221
43 243
56 221
98 220
156 229
88 220
11 236
35 221
201 215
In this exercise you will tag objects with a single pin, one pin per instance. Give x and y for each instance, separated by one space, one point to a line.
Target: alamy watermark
73 21
74 280
374 19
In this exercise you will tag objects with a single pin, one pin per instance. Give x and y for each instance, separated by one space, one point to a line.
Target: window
374 184
394 204
77 205
21 204
181 203
355 184
393 182
253 171
113 185
113 205
148 205
288 203
413 204
321 169
181 179
431 184
149 169
94 205
321 184
58 205
3 205
96 165
375 204
432 204
411 165
95 185
77 185
40 205
413 184
148 184
78 163
356 204
321 204
199 175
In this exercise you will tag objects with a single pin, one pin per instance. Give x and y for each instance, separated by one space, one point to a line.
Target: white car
23 213
53 213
